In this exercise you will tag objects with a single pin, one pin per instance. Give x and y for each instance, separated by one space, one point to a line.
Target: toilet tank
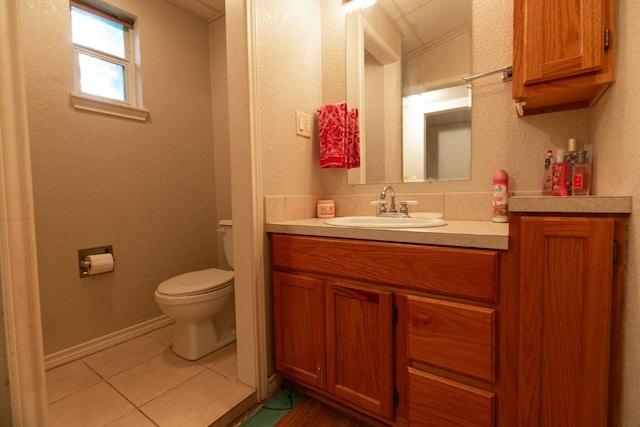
226 229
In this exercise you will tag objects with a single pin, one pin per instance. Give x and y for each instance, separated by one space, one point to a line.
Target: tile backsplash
283 208
454 206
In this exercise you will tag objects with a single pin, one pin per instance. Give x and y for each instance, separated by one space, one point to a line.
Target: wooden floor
311 412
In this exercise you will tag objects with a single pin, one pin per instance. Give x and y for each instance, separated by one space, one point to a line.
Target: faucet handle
382 208
404 203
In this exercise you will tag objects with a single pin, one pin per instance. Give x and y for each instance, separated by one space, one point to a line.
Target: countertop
470 234
576 204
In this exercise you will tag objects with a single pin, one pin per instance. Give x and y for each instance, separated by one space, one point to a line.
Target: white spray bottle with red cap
500 197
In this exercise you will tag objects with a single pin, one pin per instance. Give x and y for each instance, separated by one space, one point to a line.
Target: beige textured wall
333 52
147 189
289 78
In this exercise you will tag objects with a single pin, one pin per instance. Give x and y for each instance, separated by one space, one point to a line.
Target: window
103 51
104 68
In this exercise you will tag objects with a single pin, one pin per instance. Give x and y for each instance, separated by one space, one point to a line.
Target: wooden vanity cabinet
563 53
570 279
438 336
408 332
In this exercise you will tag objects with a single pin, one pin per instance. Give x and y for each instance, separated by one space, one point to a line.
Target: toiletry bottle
571 158
581 181
500 197
559 179
547 177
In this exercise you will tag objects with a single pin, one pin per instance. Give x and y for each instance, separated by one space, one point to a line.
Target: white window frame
129 108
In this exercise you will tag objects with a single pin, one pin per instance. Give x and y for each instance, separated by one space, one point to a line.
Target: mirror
405 60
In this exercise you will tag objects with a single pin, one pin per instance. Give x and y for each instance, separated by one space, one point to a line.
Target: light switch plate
303 124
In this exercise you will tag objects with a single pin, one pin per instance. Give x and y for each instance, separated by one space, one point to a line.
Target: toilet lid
196 282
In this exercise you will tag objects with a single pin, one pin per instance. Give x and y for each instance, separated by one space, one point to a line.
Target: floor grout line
206 366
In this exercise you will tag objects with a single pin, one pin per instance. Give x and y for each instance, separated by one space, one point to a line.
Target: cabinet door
359 346
561 38
563 53
566 281
299 327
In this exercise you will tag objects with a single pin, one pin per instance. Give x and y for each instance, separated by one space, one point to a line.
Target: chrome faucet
382 204
383 195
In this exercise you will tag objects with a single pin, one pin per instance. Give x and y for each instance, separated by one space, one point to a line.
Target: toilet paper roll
100 263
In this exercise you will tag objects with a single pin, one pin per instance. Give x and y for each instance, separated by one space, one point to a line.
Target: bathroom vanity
518 328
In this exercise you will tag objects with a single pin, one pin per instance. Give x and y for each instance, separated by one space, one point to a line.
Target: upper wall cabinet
563 52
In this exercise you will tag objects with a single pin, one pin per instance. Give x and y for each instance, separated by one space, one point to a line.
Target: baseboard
273 384
85 349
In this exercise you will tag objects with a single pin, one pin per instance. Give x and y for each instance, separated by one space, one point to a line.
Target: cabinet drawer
453 336
436 401
469 273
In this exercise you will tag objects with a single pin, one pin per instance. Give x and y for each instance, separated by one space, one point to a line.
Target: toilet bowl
202 305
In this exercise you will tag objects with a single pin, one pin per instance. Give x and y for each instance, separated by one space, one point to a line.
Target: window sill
81 101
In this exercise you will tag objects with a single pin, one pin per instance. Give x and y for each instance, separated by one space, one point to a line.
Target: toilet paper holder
84 264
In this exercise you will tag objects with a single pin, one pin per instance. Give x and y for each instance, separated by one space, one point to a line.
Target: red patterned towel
339 136
353 139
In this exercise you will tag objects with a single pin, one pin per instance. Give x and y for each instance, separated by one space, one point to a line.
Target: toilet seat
196 282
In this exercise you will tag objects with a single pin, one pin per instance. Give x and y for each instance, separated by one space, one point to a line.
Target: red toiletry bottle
500 197
559 180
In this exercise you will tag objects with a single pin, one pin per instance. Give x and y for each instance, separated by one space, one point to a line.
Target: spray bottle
500 198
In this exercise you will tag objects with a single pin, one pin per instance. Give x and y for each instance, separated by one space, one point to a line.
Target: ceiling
207 10
446 19
425 24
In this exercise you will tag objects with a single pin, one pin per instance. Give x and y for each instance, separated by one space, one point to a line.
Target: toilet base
194 339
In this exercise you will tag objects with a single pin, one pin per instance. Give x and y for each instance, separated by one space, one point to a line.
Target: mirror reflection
405 63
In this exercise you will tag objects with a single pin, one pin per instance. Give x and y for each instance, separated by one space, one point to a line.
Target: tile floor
142 383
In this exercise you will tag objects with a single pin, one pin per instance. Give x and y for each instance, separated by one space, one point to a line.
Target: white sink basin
384 222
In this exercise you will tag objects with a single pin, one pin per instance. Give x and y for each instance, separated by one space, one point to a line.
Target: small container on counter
570 159
326 209
547 176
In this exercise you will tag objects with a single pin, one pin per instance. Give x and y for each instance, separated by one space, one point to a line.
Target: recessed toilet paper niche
95 261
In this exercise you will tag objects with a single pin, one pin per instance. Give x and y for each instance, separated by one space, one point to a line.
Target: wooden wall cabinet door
299 328
562 53
566 294
359 346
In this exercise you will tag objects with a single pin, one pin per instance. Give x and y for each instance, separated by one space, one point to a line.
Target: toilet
202 305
